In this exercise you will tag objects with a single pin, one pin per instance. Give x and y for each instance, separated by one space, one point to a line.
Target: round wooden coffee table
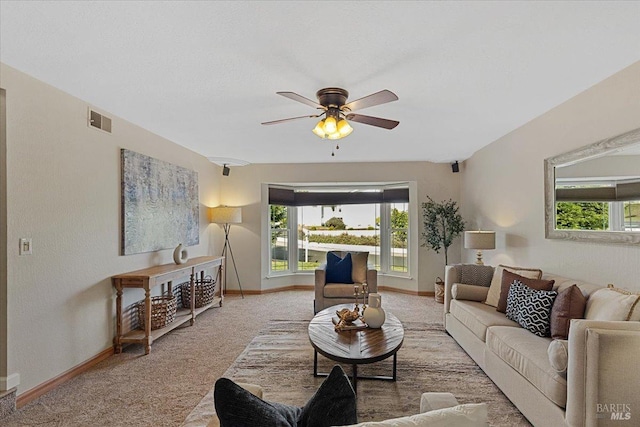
356 347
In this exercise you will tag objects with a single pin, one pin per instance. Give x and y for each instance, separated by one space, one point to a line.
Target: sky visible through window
354 216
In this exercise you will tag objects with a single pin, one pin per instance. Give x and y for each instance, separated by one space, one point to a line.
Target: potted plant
442 224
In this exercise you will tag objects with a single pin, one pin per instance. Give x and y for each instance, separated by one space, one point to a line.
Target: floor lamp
226 216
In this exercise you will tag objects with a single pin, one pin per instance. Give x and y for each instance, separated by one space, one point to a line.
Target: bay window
308 221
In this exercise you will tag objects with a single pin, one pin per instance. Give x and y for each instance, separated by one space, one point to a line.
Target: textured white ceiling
204 74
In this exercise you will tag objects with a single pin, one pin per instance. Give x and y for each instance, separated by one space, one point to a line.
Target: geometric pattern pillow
496 281
530 308
508 278
474 274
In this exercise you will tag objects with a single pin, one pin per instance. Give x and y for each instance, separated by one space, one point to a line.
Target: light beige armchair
328 294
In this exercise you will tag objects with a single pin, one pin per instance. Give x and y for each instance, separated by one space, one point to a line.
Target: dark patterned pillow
473 274
531 308
333 404
508 278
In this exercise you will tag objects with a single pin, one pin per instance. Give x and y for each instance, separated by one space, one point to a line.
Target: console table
147 279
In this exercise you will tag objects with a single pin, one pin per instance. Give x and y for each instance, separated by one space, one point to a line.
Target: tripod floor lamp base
226 251
226 216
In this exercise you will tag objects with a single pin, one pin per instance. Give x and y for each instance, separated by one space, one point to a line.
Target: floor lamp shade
479 240
226 215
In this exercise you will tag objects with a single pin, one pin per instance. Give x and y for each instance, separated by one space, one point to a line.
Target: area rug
280 359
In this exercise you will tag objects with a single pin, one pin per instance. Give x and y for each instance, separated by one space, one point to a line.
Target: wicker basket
163 311
205 292
439 287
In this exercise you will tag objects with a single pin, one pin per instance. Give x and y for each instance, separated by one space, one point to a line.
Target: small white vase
180 254
374 314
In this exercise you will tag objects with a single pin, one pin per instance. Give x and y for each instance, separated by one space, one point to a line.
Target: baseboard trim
311 288
270 291
407 291
47 386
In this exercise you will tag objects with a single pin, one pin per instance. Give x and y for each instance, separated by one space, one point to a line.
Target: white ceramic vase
180 254
374 314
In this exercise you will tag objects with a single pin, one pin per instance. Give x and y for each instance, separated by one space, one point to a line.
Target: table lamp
479 240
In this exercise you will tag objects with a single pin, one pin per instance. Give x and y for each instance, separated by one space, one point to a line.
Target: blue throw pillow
339 269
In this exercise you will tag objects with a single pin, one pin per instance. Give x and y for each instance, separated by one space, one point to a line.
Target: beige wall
503 186
63 190
243 188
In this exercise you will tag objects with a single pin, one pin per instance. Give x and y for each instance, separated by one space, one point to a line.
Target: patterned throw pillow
508 278
493 297
473 274
530 308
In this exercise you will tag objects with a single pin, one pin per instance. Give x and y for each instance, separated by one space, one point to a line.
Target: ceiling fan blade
377 98
275 122
300 98
373 121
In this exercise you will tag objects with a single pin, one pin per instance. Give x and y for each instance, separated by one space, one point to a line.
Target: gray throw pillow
333 404
473 274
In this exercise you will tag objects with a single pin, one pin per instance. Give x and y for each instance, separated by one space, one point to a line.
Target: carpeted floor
162 388
281 360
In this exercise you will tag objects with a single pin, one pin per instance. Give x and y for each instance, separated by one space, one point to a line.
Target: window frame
385 229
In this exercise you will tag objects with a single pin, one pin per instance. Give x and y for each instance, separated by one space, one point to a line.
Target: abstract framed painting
160 206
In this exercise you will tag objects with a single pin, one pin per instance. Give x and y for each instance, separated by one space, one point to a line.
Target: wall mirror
593 193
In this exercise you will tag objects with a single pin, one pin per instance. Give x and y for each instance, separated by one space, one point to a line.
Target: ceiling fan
333 103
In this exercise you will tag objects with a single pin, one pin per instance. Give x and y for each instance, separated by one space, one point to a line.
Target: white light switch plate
26 247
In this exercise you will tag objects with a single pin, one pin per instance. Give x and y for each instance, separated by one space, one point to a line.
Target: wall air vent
99 121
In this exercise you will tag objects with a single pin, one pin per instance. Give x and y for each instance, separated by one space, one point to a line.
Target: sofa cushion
477 316
496 281
507 280
468 415
612 304
527 354
569 304
338 290
339 269
531 308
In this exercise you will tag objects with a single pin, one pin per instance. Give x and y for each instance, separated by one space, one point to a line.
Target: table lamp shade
480 239
226 215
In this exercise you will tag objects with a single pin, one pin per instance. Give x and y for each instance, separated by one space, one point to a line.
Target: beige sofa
602 381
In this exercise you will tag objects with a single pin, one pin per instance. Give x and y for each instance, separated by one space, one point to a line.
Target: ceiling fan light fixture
344 128
330 125
319 129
